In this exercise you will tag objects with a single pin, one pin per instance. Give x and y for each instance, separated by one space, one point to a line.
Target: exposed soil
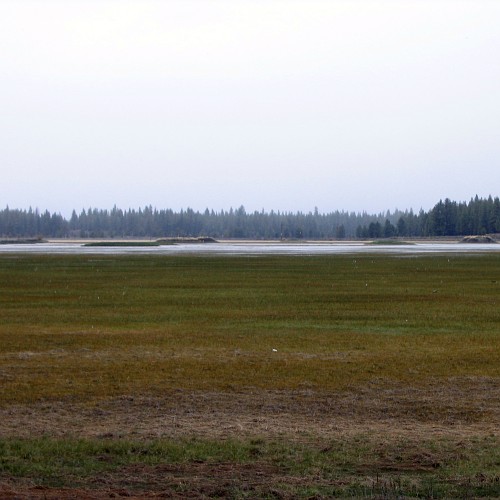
477 239
174 481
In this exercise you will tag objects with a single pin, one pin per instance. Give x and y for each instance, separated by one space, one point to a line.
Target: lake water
254 248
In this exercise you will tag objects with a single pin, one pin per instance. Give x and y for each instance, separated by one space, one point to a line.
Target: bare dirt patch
175 481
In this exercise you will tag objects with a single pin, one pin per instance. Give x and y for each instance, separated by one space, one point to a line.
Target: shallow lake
253 248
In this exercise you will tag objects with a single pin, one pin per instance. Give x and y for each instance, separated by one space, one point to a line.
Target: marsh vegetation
251 376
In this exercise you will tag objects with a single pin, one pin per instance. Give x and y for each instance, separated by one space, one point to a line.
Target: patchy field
249 377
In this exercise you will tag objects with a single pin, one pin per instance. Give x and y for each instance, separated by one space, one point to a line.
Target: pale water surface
253 248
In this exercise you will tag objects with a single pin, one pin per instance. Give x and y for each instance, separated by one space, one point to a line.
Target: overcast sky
271 104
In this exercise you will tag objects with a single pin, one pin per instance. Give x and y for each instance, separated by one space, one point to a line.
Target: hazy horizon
362 106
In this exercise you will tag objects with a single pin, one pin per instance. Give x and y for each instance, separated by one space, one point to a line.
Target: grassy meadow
378 375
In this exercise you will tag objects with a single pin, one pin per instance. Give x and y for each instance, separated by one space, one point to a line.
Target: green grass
122 244
390 241
437 469
146 323
86 329
57 462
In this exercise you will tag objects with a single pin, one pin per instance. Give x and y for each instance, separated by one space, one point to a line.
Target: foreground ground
276 377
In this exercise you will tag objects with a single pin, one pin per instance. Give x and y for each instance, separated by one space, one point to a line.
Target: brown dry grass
460 411
458 406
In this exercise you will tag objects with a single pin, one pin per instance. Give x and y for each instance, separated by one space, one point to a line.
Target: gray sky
271 104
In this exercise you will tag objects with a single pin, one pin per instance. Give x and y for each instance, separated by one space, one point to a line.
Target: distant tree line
446 218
